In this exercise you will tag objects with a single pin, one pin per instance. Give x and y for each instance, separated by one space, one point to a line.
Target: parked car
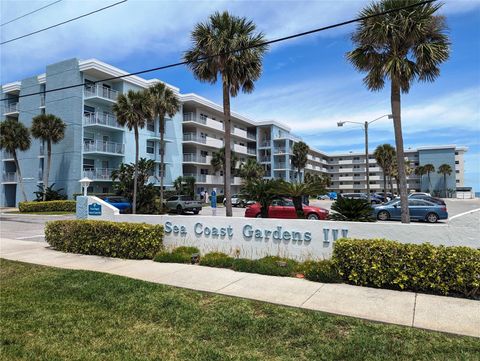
373 198
427 198
284 208
332 196
239 201
121 203
384 197
416 194
419 210
182 204
323 197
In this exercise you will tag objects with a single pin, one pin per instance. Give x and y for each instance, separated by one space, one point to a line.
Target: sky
307 83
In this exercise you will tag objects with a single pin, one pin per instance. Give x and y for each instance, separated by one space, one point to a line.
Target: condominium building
95 144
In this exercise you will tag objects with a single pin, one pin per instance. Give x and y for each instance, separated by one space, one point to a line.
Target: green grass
53 314
58 213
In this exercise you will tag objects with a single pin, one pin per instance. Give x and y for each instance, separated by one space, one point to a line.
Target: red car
283 208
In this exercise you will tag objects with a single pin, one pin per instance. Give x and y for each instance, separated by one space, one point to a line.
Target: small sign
94 209
213 199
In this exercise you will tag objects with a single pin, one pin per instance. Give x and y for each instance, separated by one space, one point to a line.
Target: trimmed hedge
321 271
50 206
103 238
416 267
217 259
178 255
273 266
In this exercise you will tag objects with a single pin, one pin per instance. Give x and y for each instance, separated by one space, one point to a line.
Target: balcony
7 156
279 151
265 159
99 174
9 177
199 178
100 146
282 165
195 158
101 92
211 123
101 119
240 132
193 137
252 136
11 108
240 149
265 144
251 151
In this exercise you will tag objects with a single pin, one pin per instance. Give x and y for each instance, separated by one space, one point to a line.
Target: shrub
321 271
356 210
271 265
50 193
416 267
103 238
178 255
217 259
48 206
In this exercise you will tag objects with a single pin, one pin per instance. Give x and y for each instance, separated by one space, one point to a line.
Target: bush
321 271
49 206
217 259
103 238
416 267
355 210
178 255
271 265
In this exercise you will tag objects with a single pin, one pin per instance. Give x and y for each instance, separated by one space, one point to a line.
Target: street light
85 183
365 127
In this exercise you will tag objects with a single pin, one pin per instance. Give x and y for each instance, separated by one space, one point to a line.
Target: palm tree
216 50
178 184
218 161
420 171
299 157
251 170
15 136
429 168
164 102
50 129
385 155
402 46
297 191
445 169
262 191
394 173
132 110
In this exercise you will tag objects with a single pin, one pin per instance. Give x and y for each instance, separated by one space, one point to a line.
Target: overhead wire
31 12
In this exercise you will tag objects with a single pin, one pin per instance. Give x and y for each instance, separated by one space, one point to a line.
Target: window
150 147
356 166
151 125
204 171
356 158
457 180
88 164
456 153
457 171
356 183
457 162
88 109
88 137
105 190
356 175
203 153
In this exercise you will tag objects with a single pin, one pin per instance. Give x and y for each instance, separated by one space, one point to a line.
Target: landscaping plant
356 210
48 206
178 255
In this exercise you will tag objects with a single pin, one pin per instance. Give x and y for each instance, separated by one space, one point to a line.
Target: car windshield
392 202
186 198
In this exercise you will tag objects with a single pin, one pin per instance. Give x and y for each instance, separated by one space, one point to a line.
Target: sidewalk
446 314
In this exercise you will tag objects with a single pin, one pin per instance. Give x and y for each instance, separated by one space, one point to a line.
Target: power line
63 22
233 51
31 12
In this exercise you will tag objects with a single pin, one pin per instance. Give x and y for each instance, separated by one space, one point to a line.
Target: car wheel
258 215
196 212
179 209
432 218
312 216
383 216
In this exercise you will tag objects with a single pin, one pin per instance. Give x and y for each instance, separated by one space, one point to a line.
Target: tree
51 129
216 50
322 181
401 46
355 210
262 191
218 161
445 170
429 168
185 186
251 170
299 157
420 171
14 136
394 173
164 102
132 110
297 191
385 156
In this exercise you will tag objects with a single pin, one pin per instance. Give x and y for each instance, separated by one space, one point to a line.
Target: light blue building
95 144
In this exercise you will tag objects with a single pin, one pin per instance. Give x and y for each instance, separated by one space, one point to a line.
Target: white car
413 194
238 201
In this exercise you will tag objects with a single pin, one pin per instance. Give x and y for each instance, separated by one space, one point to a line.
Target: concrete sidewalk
446 314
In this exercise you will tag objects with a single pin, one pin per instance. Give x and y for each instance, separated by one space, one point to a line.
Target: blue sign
213 199
94 209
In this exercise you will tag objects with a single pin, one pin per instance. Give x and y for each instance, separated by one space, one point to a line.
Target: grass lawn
58 213
53 314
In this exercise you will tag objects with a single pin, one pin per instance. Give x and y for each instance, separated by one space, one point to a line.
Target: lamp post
365 128
85 183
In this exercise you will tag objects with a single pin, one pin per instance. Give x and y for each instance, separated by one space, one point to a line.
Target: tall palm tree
218 161
420 171
50 129
429 168
251 170
299 157
14 136
394 173
216 51
132 110
164 102
402 46
445 169
385 156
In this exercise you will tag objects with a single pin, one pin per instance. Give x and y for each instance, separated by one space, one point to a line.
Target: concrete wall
300 239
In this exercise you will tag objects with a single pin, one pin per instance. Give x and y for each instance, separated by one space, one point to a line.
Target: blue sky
306 83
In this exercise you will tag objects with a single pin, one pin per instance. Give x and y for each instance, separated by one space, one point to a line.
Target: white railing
192 157
279 151
101 91
192 137
9 176
190 117
99 173
11 108
103 147
7 155
98 118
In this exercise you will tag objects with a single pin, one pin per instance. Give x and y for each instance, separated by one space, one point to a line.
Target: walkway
446 314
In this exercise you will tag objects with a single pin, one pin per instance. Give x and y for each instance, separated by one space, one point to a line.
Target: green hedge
103 238
178 255
217 259
321 271
273 266
50 206
415 267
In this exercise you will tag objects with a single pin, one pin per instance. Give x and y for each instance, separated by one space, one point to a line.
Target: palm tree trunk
385 184
47 173
19 175
135 172
391 184
397 125
445 183
162 156
227 167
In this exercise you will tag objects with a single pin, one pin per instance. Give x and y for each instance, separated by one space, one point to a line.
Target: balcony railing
265 143
265 159
9 177
103 147
99 173
279 151
193 137
191 117
11 108
191 157
252 151
252 136
100 91
97 118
